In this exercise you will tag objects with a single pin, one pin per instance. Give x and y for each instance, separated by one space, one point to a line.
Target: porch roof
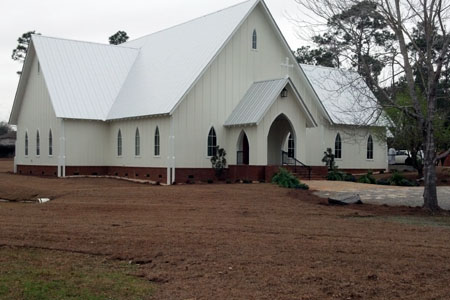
258 100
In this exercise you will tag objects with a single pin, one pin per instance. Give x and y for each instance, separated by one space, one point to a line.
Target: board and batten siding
36 113
224 83
354 147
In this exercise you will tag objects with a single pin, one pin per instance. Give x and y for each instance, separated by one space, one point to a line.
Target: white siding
223 85
36 113
354 147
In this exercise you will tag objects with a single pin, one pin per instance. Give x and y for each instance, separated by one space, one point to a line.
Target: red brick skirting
361 171
183 175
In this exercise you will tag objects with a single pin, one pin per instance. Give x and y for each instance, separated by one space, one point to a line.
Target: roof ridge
192 20
274 79
80 41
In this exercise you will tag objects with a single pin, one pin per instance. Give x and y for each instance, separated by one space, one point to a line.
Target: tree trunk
430 201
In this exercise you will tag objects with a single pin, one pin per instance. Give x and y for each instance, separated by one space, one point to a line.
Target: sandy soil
232 241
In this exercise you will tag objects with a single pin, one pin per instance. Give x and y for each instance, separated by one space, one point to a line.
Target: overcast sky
96 20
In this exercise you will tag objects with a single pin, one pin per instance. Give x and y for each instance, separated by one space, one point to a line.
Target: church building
156 107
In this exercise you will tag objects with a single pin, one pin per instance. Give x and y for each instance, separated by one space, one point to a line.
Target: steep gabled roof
170 61
147 76
258 100
83 79
344 94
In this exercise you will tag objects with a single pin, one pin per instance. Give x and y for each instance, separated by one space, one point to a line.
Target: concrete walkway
379 194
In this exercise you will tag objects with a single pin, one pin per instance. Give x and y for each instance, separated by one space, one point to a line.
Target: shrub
210 181
335 176
302 186
384 181
228 181
286 179
406 182
349 177
396 178
368 178
247 181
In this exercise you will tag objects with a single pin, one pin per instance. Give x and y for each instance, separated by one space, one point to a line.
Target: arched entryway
243 151
277 139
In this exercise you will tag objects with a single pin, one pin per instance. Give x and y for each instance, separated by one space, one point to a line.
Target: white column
62 151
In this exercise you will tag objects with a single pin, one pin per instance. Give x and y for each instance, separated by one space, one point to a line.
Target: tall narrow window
157 147
137 143
291 146
50 143
338 147
26 143
370 147
119 143
254 40
212 142
38 144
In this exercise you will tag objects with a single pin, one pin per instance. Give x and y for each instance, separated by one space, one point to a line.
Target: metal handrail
285 154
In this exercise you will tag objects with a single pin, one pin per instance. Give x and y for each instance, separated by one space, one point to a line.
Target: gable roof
171 60
258 100
344 94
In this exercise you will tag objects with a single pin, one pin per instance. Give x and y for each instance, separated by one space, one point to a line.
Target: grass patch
34 274
434 221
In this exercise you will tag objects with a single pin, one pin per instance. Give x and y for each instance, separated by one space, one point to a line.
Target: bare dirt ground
234 241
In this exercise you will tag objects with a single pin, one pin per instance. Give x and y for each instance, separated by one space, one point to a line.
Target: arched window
157 147
38 144
119 143
212 142
137 143
26 143
50 143
291 146
338 147
254 40
370 147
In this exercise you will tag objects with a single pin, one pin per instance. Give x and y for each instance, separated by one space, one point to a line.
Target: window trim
254 40
50 143
27 144
38 143
157 134
119 144
291 150
338 141
213 146
369 149
137 143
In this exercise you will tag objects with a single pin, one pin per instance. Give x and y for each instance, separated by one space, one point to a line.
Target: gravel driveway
380 194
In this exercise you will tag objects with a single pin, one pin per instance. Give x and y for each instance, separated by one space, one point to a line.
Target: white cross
287 66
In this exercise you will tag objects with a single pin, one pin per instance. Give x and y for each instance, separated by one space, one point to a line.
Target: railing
287 160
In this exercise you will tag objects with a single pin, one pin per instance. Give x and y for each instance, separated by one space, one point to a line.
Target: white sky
96 20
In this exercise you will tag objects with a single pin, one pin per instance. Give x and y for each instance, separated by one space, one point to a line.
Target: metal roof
258 100
83 79
170 62
345 96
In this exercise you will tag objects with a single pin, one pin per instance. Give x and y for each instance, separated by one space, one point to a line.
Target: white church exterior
156 107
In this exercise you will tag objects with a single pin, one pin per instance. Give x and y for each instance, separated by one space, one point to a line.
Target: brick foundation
183 175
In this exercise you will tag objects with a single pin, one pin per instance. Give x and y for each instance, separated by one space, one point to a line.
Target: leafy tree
405 41
4 128
20 52
118 38
320 57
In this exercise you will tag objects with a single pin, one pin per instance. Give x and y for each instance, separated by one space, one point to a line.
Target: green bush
335 176
286 179
384 181
349 177
396 178
368 178
406 182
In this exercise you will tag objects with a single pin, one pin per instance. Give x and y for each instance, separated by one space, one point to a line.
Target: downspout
15 156
62 151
